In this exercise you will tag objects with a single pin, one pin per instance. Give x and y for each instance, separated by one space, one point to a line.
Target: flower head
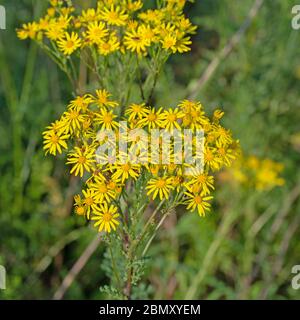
160 186
106 217
69 43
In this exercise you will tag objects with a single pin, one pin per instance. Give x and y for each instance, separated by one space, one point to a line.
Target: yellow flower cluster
113 26
261 174
80 128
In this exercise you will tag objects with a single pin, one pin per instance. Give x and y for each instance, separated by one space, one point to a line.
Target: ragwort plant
127 193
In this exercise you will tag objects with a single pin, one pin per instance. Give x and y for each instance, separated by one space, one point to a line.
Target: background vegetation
244 249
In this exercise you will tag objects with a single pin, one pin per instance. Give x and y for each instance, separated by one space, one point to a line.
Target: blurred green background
244 249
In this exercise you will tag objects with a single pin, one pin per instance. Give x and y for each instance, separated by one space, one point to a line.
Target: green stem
140 78
114 266
150 220
154 233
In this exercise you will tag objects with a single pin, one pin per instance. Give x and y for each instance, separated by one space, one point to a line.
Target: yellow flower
126 170
43 23
252 162
178 181
80 210
115 185
169 42
187 106
89 201
96 32
108 46
170 118
102 99
198 201
55 126
267 175
55 32
106 119
88 15
84 206
164 29
81 159
132 5
53 142
106 217
218 115
182 45
136 42
63 21
28 30
154 169
153 119
136 111
69 43
148 33
114 16
223 135
54 3
185 26
160 186
71 121
225 153
201 182
51 12
101 190
66 11
80 103
151 16
132 24
211 159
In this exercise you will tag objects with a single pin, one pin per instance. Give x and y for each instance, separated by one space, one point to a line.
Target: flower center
73 115
152 116
70 44
160 183
198 199
149 34
54 139
126 167
209 156
98 32
113 16
201 179
107 118
80 211
169 42
89 201
82 159
194 113
106 46
107 217
172 117
102 188
222 151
